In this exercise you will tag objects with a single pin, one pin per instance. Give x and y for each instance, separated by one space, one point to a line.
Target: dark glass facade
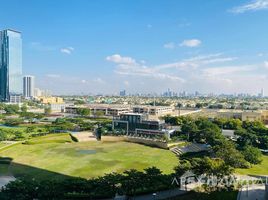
10 64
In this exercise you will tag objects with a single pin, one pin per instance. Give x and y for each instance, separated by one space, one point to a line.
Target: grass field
2 145
261 169
58 156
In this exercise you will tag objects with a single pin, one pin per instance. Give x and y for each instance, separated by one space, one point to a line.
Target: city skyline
91 47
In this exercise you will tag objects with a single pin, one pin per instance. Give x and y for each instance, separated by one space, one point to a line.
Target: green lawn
261 169
57 156
2 145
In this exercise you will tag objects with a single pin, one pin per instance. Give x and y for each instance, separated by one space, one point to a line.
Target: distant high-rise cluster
10 65
122 93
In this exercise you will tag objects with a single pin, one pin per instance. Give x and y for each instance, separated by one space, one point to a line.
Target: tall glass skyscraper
10 64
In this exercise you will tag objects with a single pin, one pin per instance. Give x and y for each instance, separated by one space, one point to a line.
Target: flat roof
9 29
131 114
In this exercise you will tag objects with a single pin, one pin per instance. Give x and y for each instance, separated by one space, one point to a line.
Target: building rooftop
9 29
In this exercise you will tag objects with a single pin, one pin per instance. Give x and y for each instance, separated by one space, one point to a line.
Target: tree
190 129
263 142
3 135
230 154
83 111
179 105
133 181
11 109
47 110
99 113
183 167
212 167
245 138
30 129
199 105
23 108
252 154
13 122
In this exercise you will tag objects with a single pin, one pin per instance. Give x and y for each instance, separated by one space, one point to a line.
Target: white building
28 86
15 99
38 92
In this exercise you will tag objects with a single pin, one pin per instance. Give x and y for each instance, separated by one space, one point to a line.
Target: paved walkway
252 192
84 136
160 195
8 144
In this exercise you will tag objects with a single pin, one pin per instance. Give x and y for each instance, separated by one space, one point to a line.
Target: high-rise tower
28 86
10 64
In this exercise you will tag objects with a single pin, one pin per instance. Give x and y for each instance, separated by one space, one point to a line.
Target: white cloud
191 43
98 80
197 61
169 45
251 6
67 50
209 73
266 64
129 66
116 58
219 71
126 83
171 70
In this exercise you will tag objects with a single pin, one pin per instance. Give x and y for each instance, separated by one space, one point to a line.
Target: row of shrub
131 182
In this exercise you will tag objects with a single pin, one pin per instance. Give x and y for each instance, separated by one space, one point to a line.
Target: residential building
28 86
10 64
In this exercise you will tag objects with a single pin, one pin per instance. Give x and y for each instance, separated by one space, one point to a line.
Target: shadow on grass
10 168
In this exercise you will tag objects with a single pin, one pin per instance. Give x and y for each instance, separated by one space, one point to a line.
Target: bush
74 138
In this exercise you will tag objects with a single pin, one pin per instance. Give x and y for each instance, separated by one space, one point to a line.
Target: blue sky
145 46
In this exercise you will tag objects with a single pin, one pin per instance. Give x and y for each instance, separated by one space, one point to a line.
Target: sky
142 46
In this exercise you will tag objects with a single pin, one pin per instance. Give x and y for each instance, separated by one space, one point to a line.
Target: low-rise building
15 99
230 114
252 115
58 107
153 110
105 109
108 109
264 116
138 125
51 100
